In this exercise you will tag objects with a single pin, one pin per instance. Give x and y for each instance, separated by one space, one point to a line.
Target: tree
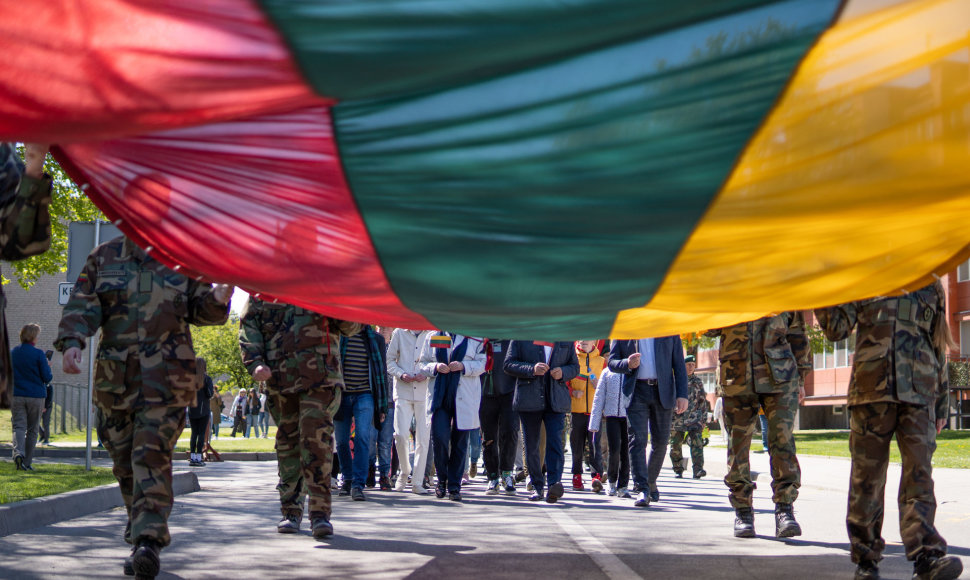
68 204
693 341
219 346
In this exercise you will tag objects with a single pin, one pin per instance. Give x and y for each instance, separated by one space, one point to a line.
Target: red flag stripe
286 225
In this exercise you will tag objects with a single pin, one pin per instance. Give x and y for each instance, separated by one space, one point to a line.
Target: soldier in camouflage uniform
25 227
689 425
145 375
297 352
763 365
898 386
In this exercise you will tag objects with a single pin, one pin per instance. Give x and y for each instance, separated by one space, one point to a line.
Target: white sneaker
610 488
402 482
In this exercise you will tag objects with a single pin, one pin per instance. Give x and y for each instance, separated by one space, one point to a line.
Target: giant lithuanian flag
515 168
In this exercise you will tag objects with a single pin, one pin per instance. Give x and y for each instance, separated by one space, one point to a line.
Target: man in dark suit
656 381
543 371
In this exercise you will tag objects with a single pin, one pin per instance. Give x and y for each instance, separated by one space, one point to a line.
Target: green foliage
219 346
959 373
68 204
818 341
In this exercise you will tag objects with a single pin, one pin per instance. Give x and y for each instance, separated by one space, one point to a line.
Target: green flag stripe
355 49
582 177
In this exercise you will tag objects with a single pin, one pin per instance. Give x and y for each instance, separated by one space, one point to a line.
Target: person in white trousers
410 401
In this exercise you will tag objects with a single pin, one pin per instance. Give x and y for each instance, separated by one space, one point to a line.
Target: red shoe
597 484
578 482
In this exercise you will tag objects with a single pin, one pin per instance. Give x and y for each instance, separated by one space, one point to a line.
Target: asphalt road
228 530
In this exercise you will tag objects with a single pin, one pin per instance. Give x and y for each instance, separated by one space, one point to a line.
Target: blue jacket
31 373
530 390
671 372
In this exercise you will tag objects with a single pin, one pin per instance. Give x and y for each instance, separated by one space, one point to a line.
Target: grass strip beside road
238 444
953 447
47 479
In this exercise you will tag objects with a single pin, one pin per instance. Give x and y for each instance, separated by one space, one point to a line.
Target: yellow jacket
590 367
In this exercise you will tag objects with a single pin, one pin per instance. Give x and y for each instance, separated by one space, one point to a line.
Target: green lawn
953 447
47 479
237 443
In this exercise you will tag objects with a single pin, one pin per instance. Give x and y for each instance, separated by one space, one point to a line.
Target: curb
42 511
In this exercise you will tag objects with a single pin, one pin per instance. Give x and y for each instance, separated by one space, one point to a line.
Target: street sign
80 242
64 292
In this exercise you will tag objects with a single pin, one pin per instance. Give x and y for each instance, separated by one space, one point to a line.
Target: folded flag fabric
724 160
544 343
441 341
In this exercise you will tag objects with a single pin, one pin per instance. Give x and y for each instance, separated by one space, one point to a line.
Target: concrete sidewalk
227 530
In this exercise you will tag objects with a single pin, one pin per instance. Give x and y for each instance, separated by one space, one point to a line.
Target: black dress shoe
555 492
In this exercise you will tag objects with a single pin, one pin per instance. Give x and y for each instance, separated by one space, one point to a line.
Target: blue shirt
31 373
648 360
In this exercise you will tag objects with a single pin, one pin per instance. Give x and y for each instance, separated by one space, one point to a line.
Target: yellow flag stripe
857 185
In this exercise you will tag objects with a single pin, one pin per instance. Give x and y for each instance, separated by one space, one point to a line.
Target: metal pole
89 400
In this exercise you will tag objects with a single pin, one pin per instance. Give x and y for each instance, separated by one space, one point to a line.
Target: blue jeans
450 448
383 444
251 424
646 415
555 450
764 431
358 407
263 421
474 447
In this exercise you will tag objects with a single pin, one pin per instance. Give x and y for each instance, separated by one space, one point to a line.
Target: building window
709 380
835 355
965 337
963 272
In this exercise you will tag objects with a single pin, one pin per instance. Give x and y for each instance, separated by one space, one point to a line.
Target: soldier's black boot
743 523
866 570
937 567
145 561
129 568
785 524
321 528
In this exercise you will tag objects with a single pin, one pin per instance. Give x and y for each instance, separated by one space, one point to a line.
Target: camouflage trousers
140 441
740 416
304 448
873 426
696 442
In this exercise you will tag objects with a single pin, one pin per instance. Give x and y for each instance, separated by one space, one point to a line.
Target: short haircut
29 332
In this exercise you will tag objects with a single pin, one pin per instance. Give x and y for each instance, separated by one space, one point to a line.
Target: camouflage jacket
25 230
293 343
144 310
768 355
695 417
895 359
